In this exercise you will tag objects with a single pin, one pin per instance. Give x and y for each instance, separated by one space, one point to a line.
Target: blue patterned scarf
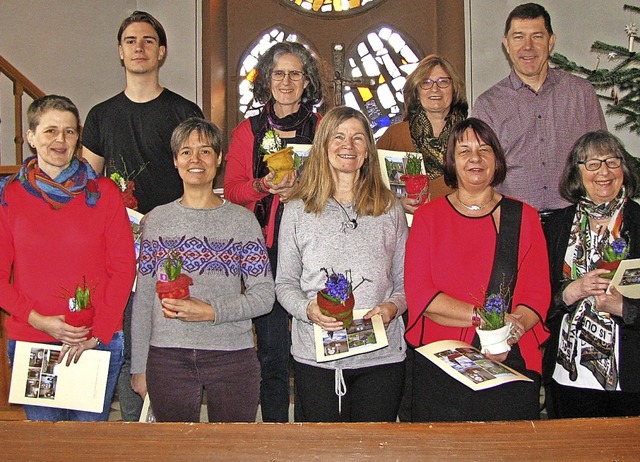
77 178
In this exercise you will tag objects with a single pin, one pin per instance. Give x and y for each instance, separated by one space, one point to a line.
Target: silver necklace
474 207
351 223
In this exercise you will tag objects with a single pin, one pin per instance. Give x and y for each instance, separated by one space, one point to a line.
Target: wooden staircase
22 88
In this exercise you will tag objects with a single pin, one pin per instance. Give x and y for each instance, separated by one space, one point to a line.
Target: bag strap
505 260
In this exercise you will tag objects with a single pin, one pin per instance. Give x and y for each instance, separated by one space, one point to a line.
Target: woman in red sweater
62 227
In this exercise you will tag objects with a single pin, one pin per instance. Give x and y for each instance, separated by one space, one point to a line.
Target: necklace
351 223
474 207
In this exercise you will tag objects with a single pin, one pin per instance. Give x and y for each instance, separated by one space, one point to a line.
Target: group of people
526 193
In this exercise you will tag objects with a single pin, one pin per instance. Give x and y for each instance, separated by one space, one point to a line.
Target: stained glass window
247 105
386 56
332 7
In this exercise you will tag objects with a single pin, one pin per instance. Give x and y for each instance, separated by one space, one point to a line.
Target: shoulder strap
505 261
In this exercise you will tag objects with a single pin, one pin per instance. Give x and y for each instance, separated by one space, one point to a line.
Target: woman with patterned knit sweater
182 346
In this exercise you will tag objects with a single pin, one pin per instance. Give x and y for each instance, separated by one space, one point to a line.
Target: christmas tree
620 85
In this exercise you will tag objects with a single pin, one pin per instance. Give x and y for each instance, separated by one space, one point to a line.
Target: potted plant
279 158
173 283
416 182
493 331
612 255
81 309
124 181
336 299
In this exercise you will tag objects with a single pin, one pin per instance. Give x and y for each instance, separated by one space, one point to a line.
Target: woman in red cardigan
288 84
450 260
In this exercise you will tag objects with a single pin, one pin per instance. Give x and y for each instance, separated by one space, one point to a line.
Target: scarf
433 148
303 122
77 178
586 336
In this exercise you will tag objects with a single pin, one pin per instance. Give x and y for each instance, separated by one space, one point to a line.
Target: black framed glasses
442 82
594 164
294 76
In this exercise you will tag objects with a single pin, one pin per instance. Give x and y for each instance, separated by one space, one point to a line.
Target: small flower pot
417 187
341 311
612 266
176 289
495 341
280 162
82 318
128 198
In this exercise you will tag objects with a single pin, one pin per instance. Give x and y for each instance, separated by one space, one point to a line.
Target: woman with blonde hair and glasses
434 100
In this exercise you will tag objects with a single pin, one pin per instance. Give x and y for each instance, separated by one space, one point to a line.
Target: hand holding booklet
627 278
468 366
39 380
362 336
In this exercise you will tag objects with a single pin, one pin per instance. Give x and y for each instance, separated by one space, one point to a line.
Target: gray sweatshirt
222 249
374 250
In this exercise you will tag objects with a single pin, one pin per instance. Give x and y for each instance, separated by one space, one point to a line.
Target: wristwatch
98 341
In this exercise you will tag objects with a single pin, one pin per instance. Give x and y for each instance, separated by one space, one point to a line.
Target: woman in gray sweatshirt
342 217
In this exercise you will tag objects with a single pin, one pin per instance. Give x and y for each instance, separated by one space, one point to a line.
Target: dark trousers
274 344
176 378
130 401
572 402
372 393
437 397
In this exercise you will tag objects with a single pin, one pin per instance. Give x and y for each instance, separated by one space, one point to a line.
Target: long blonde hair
317 186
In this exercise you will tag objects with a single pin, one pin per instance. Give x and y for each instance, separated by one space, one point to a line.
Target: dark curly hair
262 85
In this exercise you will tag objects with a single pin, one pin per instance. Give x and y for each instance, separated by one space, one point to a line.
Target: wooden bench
565 440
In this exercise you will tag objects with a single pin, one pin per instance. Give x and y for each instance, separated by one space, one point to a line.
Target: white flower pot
495 341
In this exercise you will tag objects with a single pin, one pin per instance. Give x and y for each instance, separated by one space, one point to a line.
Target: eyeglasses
442 82
594 164
294 76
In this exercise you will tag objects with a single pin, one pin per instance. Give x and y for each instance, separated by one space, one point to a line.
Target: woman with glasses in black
287 82
434 100
591 366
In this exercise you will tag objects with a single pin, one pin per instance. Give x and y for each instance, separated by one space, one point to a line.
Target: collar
518 84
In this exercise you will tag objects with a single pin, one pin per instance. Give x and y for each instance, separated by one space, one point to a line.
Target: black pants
572 402
437 397
372 393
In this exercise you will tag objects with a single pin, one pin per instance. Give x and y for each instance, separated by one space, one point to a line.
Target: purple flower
619 245
338 286
494 304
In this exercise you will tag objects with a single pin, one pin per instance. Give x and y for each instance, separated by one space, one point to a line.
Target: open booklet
37 378
468 366
393 164
362 336
627 278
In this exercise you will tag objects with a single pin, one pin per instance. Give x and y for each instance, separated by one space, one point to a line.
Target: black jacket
557 229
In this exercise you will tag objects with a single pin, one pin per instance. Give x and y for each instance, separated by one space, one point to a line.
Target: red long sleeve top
51 251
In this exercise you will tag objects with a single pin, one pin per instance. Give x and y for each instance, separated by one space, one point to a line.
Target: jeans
116 348
176 378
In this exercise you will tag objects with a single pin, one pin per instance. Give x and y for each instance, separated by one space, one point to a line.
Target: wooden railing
545 440
21 85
